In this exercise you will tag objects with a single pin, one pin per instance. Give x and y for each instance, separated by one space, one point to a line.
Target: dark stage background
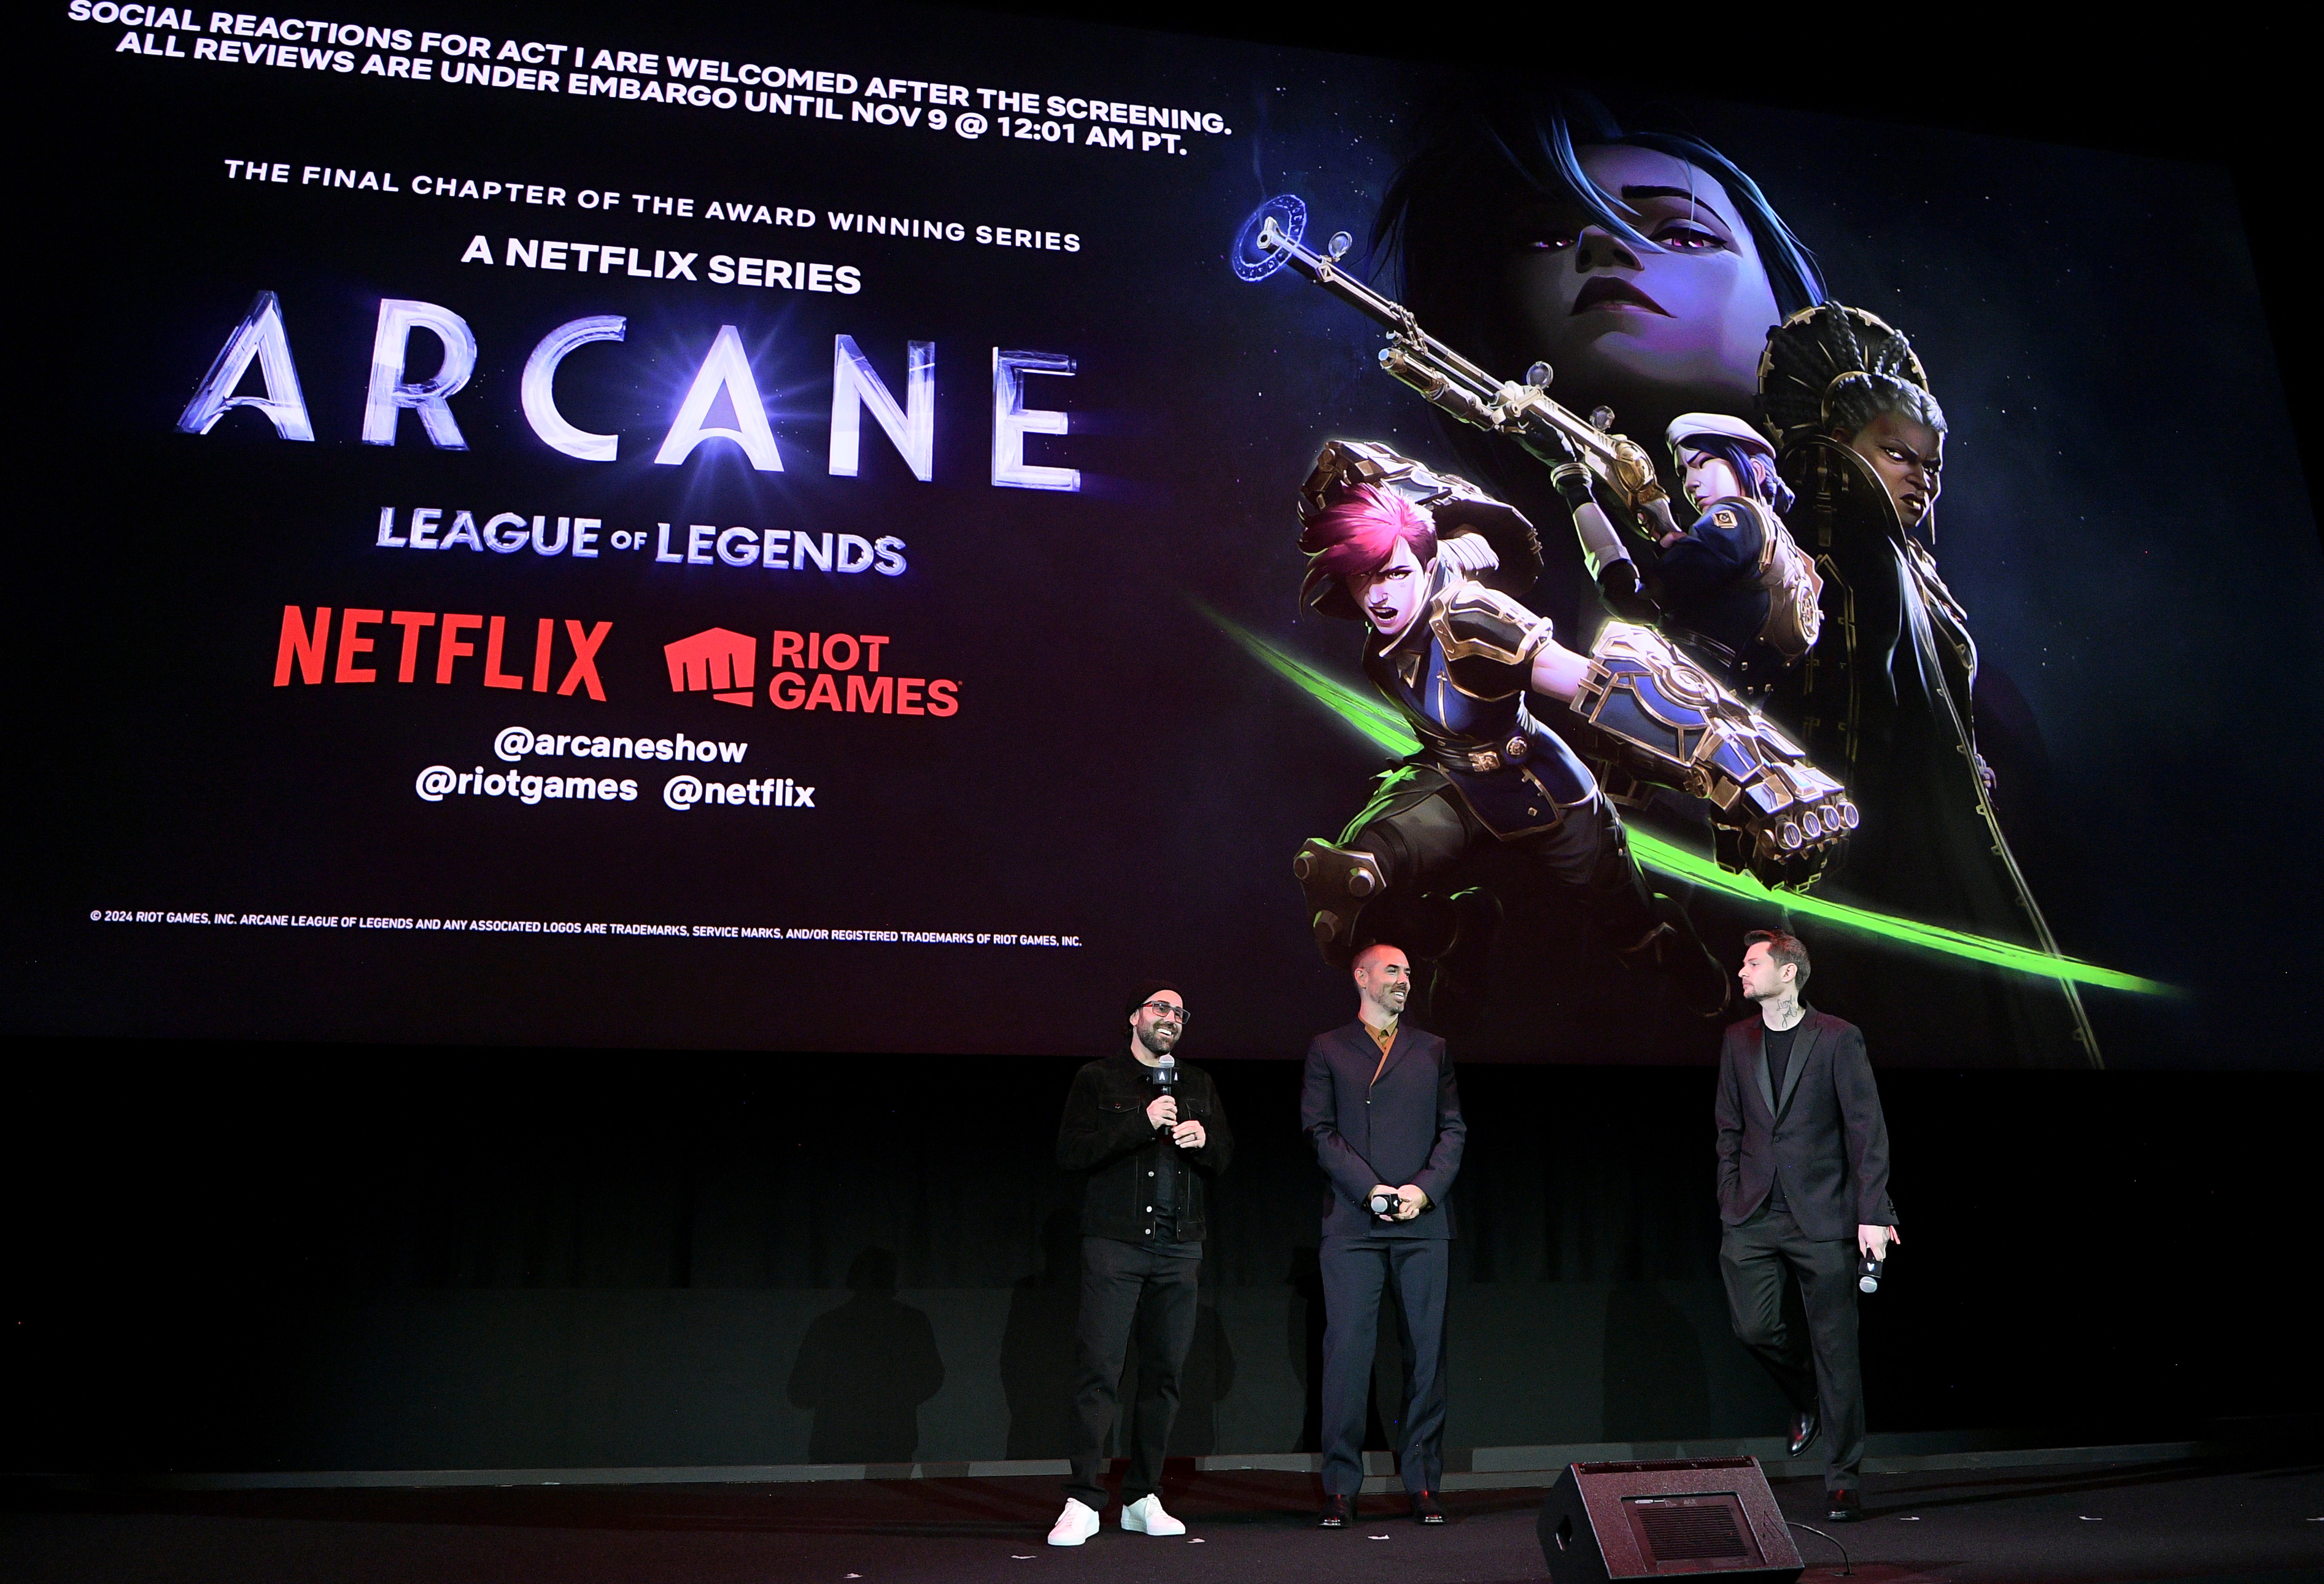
227 1256
318 1258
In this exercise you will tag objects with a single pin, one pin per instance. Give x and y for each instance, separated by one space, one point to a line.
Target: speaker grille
1686 1531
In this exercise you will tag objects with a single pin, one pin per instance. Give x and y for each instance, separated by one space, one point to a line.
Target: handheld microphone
1867 1273
1165 1076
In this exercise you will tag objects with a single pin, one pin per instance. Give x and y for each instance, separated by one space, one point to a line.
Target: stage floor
2222 1521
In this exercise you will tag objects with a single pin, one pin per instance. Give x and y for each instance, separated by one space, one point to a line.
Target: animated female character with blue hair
1735 589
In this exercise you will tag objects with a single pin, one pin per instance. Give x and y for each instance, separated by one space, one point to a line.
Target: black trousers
1823 1370
1354 1271
1126 1287
1416 826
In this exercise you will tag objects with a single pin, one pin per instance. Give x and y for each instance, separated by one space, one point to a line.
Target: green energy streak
1386 728
1367 714
1659 855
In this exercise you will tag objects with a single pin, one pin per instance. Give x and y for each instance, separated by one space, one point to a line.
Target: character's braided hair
1832 369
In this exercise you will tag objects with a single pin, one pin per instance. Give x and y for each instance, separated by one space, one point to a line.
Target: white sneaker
1145 1516
1076 1524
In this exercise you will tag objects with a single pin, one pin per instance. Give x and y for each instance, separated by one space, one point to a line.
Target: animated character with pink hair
1433 566
1460 659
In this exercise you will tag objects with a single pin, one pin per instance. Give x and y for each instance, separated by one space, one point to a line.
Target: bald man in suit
1384 1113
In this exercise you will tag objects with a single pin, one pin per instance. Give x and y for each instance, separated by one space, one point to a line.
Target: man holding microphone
1384 1113
1151 1134
1803 1191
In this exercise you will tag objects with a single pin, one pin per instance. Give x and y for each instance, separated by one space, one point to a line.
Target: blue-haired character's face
1709 477
1649 333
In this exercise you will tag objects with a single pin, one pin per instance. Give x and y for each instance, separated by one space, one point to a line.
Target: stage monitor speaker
1704 1516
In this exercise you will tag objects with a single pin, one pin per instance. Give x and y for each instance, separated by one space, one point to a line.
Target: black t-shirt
1778 1045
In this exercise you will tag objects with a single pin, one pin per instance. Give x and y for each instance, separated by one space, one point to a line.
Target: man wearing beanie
1151 1135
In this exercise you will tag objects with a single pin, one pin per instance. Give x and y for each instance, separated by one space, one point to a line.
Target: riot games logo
720 663
840 672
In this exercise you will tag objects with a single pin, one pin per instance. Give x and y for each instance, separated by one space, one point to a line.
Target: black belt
1480 758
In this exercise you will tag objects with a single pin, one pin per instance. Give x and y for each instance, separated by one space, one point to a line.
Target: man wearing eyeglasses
1150 1152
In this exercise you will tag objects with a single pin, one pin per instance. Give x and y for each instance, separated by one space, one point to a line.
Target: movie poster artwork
869 532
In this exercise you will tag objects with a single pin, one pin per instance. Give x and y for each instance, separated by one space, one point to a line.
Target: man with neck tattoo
1803 1189
1381 1107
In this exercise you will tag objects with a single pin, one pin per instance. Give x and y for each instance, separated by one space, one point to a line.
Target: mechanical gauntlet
1663 719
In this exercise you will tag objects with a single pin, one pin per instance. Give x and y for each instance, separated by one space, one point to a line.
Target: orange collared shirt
1384 1039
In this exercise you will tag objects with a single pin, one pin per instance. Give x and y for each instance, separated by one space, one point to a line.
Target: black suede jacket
1106 1133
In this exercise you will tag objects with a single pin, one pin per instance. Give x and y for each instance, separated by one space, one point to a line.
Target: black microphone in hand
1869 1272
1166 1076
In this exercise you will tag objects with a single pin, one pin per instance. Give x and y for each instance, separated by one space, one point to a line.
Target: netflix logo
443 646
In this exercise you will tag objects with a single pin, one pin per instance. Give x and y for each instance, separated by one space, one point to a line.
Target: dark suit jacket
1824 1133
1404 1128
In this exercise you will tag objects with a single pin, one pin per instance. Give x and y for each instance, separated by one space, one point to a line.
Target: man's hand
1414 1202
1189 1136
1163 1112
1874 1241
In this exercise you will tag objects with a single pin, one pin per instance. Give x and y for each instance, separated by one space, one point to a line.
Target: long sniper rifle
1451 382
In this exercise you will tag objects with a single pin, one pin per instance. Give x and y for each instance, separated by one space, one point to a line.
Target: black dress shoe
1843 1507
1338 1512
1803 1430
1425 1508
